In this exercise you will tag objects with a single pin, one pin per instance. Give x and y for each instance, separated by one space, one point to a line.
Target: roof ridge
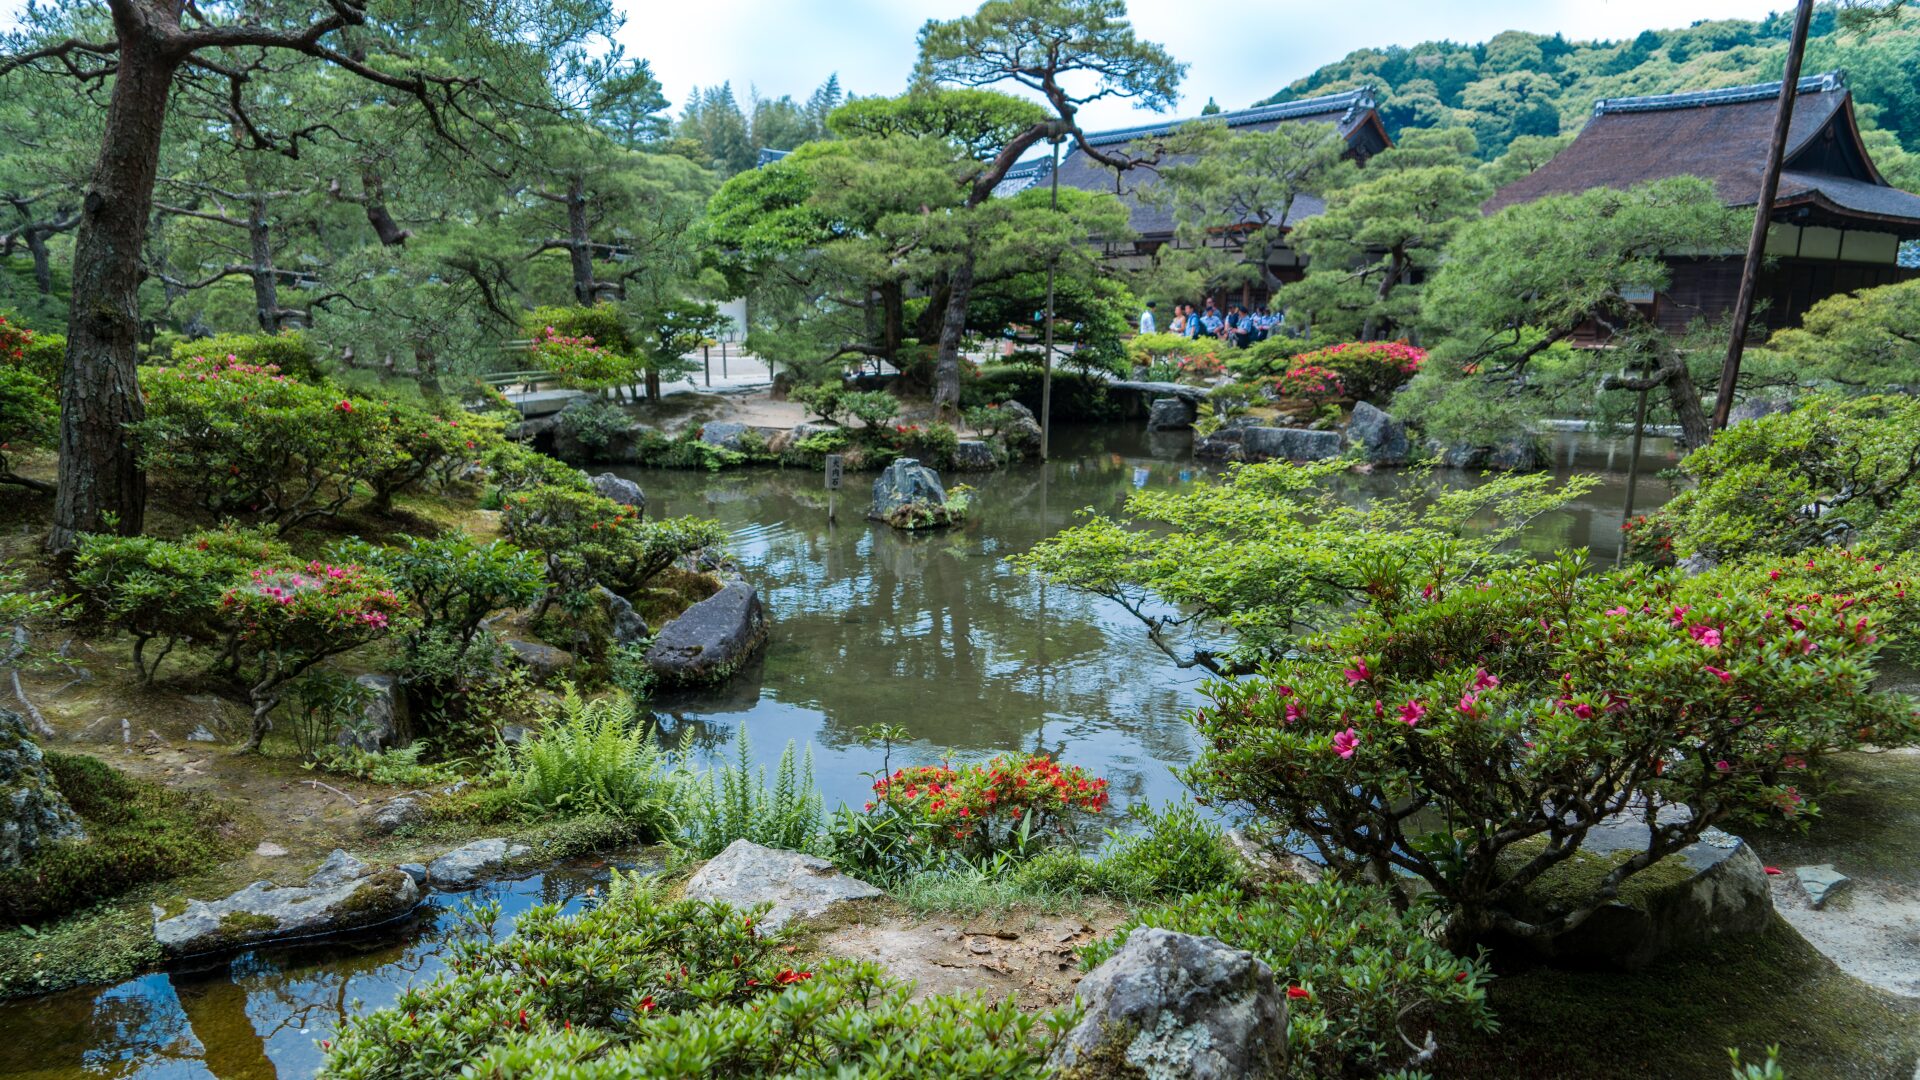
1345 101
1691 99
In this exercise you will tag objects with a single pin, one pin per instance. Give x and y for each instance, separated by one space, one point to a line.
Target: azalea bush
167 592
980 809
1471 732
1274 551
1367 370
641 986
1177 353
1366 989
1310 383
589 347
1834 470
286 618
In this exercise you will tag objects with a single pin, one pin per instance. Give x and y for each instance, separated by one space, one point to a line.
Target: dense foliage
1471 732
641 986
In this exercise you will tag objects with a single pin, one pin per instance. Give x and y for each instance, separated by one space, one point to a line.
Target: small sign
834 470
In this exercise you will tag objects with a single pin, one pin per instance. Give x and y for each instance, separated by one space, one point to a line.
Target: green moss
1869 815
1575 879
106 944
1677 1018
240 924
1107 1061
372 898
137 832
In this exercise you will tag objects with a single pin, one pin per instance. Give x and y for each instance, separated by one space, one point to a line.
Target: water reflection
935 633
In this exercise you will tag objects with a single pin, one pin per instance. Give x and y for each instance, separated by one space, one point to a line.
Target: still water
930 632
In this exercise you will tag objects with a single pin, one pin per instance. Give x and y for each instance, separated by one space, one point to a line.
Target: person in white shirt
1147 325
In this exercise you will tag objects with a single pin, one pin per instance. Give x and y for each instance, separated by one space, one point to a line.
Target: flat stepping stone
797 885
1822 883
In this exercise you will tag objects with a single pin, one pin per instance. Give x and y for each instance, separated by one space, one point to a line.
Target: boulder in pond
264 911
710 640
908 495
1518 454
798 886
1711 888
1169 413
1177 1006
1290 444
973 455
620 490
1381 438
468 863
33 813
382 722
1019 428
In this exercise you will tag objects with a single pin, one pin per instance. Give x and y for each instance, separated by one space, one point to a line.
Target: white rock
798 886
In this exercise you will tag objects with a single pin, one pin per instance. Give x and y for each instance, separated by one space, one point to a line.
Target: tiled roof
1731 95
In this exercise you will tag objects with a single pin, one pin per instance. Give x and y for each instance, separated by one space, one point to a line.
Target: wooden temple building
1837 226
1351 112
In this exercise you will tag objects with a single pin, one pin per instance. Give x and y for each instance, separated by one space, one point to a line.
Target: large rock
1518 454
382 722
399 812
468 863
628 626
906 482
798 886
1713 887
1168 413
1290 444
264 911
1177 1007
1019 428
1755 408
711 639
543 660
1381 439
33 813
724 434
338 868
620 490
973 455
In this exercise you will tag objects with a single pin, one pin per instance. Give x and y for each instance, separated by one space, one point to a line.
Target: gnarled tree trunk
100 475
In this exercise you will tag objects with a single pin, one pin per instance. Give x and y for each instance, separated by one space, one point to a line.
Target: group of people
1237 326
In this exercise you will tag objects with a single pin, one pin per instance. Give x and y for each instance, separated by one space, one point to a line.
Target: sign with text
834 470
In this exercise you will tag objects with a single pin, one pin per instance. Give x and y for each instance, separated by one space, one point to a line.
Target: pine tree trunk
946 369
266 287
580 244
100 475
1685 397
42 262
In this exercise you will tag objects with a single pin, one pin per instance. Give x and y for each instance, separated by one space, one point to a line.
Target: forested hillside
1526 84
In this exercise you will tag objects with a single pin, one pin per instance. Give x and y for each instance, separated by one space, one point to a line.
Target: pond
929 632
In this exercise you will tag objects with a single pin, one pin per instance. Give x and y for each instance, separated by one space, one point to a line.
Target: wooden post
1762 217
706 359
1046 359
1633 476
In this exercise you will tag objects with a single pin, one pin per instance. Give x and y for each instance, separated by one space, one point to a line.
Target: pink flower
1680 614
1426 592
1358 673
1723 676
1618 611
1705 635
1346 742
1772 871
344 406
1412 712
1483 681
1773 575
1469 704
1583 710
1293 711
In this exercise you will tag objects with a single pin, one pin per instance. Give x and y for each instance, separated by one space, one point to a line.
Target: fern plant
595 757
736 804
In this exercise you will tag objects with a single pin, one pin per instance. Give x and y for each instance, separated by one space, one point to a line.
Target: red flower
646 1004
1298 993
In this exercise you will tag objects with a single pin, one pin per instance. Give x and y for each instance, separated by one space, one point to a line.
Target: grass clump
137 832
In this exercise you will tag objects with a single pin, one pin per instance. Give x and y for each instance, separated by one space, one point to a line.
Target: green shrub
873 408
1361 977
29 418
321 704
137 832
586 347
1366 370
821 399
515 467
735 803
1172 851
643 987
398 767
597 425
598 757
1834 470
591 540
37 351
1012 804
289 351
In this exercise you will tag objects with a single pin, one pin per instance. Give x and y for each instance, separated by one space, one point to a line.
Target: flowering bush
247 440
285 619
1648 538
1314 385
991 806
1471 735
581 361
1177 353
1368 370
640 986
1360 977
14 340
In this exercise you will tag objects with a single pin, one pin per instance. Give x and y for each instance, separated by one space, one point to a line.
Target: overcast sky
1235 53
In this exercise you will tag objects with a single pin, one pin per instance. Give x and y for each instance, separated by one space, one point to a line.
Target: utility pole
1046 359
1762 216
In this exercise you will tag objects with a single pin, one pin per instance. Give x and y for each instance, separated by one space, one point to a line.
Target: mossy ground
1868 820
1677 1018
1574 880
